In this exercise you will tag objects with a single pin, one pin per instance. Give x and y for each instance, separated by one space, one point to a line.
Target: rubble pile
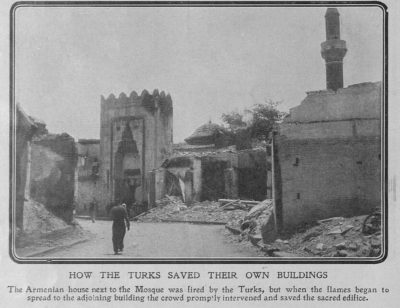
172 208
358 236
258 225
38 219
44 230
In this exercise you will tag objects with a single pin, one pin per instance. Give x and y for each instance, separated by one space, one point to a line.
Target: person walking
120 219
93 210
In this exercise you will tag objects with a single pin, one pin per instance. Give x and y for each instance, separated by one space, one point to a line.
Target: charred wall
54 159
252 174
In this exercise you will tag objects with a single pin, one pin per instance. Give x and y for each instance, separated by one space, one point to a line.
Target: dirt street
159 240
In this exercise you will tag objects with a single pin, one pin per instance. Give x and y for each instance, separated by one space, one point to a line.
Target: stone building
52 177
45 169
25 130
209 167
87 175
135 138
210 134
327 154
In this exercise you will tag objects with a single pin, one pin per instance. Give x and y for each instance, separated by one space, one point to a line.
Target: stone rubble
334 237
172 208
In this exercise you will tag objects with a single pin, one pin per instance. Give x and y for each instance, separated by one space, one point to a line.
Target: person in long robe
120 224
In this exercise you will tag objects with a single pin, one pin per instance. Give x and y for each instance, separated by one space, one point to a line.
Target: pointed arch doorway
128 168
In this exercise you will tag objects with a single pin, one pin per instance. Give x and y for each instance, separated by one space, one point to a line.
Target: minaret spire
333 50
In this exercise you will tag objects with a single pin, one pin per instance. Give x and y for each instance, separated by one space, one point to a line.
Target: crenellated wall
135 138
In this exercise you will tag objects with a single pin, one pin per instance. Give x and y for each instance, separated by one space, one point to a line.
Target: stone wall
25 130
252 174
324 178
327 156
357 101
147 121
54 159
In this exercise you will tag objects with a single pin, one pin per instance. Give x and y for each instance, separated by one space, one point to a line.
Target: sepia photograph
195 133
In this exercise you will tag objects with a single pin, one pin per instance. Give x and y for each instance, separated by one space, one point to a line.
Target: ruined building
209 167
52 176
25 130
135 138
327 154
45 170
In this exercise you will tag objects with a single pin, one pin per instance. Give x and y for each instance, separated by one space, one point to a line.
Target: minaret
333 50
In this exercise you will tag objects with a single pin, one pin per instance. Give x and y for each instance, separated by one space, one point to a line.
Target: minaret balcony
333 50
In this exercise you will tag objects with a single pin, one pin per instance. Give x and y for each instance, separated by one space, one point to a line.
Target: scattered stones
342 253
333 237
375 242
375 252
311 235
260 221
338 237
352 246
172 208
336 230
346 228
340 246
323 221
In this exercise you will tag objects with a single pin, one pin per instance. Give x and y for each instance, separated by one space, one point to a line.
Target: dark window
297 162
298 196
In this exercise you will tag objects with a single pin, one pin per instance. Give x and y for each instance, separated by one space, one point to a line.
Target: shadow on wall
54 158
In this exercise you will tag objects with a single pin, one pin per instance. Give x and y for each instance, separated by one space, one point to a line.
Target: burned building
25 130
327 154
45 170
209 167
135 138
52 177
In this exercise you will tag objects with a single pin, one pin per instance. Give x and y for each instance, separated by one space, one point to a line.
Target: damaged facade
25 130
209 168
135 138
45 169
327 154
52 177
87 174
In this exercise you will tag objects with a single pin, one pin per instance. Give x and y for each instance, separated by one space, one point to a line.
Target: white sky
211 60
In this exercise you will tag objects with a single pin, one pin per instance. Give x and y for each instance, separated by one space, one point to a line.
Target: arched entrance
128 175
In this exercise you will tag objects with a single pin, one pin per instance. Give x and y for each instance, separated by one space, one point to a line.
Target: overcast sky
211 60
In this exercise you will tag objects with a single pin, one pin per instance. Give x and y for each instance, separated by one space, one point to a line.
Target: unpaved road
159 240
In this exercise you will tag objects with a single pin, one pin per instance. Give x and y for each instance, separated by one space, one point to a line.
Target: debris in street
172 208
43 230
259 223
333 237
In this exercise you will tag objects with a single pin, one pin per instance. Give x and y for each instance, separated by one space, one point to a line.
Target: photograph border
253 260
